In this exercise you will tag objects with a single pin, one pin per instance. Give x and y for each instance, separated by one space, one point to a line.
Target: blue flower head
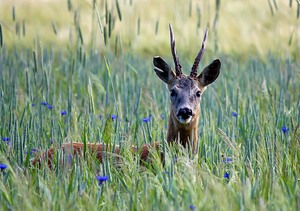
101 179
147 119
192 207
226 175
3 166
69 159
50 107
5 139
32 151
285 130
44 103
113 116
234 114
33 104
63 112
227 160
100 116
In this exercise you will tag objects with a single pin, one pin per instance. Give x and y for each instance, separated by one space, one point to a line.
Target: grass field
62 78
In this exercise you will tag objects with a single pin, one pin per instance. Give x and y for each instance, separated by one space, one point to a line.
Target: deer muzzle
185 115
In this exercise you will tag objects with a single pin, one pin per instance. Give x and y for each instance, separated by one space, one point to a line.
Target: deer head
185 90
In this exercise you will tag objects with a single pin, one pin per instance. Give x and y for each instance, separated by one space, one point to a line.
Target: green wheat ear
35 61
54 28
13 13
108 131
1 36
119 10
70 6
139 25
156 26
23 28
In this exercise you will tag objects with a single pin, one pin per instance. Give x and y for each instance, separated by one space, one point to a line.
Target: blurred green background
242 28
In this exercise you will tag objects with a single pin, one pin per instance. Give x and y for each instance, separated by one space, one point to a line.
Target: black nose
185 113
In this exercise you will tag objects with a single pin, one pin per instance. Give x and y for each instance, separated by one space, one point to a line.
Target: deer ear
163 70
210 73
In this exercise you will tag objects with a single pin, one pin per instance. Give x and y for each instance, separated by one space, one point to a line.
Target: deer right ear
210 73
163 70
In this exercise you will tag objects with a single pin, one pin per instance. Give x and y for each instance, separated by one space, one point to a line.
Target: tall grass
263 173
249 150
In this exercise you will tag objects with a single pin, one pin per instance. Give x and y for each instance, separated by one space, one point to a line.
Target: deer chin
184 121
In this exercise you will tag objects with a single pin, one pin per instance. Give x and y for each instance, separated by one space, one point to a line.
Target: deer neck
185 134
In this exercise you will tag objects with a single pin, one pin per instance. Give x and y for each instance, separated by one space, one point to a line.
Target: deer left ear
210 73
163 70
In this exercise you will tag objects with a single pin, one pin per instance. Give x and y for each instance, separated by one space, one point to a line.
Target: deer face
185 95
186 90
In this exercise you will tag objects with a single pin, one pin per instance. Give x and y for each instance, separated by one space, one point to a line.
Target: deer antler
176 59
199 56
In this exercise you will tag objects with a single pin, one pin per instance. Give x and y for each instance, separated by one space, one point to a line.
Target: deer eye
172 93
198 94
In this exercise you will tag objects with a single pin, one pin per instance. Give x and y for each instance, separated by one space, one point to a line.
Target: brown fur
99 149
184 134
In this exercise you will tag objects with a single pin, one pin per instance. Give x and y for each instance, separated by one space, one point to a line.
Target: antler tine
199 56
176 59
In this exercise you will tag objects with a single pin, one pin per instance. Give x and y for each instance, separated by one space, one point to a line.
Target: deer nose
185 113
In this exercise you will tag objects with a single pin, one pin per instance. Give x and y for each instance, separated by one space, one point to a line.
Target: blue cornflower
32 151
113 116
50 107
33 104
234 114
63 112
192 207
285 129
6 139
227 160
100 116
226 175
44 103
3 166
70 158
101 179
147 119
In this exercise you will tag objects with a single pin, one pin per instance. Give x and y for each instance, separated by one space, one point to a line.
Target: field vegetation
82 71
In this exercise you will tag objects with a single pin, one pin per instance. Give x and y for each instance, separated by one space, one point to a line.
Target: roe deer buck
185 96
